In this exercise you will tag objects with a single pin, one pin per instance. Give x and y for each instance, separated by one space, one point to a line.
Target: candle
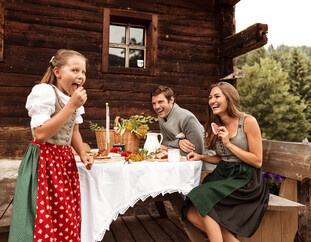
107 126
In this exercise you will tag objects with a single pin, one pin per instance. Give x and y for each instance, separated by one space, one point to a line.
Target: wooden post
227 28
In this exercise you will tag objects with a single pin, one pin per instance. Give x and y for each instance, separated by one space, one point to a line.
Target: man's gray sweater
182 124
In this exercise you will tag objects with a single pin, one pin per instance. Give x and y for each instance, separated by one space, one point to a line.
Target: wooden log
249 39
70 4
226 2
194 4
75 12
1 30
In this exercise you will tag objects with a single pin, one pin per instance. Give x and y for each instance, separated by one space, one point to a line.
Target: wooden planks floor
144 228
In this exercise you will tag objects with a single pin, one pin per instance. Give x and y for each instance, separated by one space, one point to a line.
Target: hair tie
50 62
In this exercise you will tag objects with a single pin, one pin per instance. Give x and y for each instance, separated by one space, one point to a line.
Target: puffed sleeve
79 119
40 104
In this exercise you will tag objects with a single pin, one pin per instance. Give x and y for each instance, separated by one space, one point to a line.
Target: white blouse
41 104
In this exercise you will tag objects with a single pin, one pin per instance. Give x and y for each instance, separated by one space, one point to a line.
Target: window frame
149 20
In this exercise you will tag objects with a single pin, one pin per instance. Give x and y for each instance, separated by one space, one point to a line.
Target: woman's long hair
233 99
60 59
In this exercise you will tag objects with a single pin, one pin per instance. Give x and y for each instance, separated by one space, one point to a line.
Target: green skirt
231 188
25 198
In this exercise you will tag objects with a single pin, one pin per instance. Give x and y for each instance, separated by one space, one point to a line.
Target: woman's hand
193 156
223 133
88 161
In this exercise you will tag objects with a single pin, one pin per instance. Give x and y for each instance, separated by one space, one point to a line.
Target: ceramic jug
152 142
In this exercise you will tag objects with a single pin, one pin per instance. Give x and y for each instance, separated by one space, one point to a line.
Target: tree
265 94
299 78
251 57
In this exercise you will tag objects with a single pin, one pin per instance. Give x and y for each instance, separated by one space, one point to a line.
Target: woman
233 198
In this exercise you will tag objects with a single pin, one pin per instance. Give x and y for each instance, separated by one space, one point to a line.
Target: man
179 127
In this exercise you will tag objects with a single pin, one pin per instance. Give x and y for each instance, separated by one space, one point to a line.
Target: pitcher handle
161 138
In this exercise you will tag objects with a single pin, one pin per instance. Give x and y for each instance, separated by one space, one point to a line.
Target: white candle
107 125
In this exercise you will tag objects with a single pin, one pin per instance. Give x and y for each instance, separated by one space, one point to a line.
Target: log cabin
187 45
131 46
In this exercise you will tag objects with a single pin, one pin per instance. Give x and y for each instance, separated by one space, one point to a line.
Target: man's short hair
168 92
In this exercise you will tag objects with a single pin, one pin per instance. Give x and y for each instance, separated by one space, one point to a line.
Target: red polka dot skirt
58 211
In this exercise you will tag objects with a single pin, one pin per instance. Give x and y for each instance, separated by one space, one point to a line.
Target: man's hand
186 146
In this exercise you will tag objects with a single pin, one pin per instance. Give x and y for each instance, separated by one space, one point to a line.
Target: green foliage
265 94
251 57
297 73
277 90
137 124
95 126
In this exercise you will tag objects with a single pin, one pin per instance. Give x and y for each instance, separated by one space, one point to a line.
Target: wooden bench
293 162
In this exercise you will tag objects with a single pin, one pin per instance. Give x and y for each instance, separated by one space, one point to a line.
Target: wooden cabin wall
187 60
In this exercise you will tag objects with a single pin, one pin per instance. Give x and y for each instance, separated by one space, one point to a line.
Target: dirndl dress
235 194
47 200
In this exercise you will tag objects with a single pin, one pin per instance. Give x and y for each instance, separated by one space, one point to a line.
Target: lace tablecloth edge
133 202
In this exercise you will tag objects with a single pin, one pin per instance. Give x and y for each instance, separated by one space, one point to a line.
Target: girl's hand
193 156
223 133
88 161
79 97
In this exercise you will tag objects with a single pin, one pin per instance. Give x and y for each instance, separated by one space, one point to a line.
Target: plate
102 157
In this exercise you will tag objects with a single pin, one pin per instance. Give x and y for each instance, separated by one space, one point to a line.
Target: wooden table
109 189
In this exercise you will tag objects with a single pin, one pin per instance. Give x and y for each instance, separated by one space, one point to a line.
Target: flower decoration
137 124
126 153
273 181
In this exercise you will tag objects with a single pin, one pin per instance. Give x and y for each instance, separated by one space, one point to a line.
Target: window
127 46
129 42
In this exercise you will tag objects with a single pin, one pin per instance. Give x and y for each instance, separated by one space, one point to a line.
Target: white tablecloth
109 189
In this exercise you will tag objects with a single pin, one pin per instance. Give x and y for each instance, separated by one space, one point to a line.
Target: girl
47 194
234 197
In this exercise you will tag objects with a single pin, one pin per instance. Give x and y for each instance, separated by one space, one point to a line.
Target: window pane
137 58
137 36
117 34
117 57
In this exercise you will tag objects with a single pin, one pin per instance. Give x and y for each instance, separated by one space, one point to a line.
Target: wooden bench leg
275 226
161 209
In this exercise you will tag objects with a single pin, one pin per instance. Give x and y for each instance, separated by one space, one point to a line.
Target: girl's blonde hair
60 59
233 99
